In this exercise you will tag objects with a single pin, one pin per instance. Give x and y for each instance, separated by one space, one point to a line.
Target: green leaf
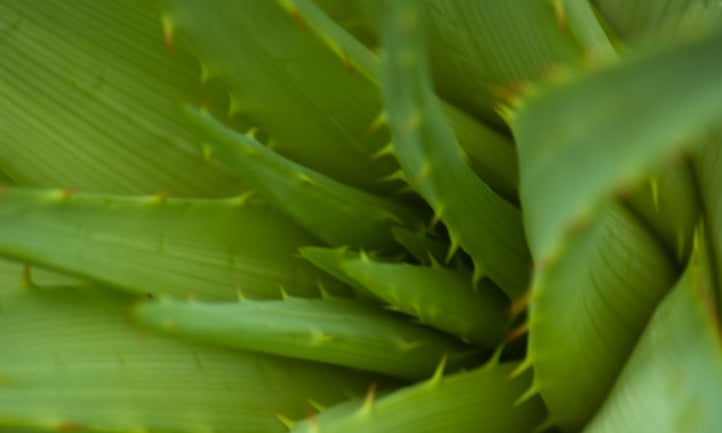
361 18
424 247
491 154
15 276
482 223
309 99
91 98
612 126
668 203
209 249
478 400
337 213
480 50
587 311
438 297
708 167
69 359
673 380
638 20
334 331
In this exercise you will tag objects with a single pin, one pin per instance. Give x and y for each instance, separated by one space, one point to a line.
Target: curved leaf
613 127
587 311
673 380
482 223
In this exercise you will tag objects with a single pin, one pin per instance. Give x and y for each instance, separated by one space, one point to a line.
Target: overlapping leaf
669 204
439 297
78 363
478 400
482 223
209 249
286 81
612 127
482 50
708 165
490 153
336 213
635 20
587 311
673 380
334 331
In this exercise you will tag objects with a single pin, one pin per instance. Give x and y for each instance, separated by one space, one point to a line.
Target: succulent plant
363 216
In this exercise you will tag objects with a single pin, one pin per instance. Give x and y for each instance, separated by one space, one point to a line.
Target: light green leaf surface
69 359
478 400
587 311
439 297
342 332
673 380
336 213
91 99
209 249
482 223
612 127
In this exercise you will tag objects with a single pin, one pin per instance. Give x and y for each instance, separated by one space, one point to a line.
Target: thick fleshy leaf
481 222
70 360
439 297
587 311
342 332
478 400
91 99
209 249
336 213
673 380
613 127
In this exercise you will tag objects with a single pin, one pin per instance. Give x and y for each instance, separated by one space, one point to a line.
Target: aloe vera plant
363 216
